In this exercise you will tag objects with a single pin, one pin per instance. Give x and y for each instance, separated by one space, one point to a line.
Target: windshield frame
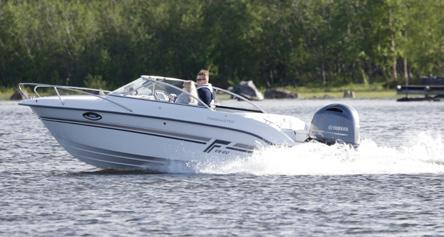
157 80
161 80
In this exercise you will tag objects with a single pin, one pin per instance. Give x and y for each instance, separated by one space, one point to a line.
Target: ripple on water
392 185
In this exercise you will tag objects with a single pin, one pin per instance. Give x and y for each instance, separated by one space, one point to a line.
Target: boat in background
140 127
430 88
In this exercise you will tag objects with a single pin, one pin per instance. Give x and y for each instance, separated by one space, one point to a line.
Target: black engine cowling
336 123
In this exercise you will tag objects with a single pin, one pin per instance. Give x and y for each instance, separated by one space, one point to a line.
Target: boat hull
158 136
128 142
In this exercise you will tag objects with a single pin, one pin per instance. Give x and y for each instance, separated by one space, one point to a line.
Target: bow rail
99 93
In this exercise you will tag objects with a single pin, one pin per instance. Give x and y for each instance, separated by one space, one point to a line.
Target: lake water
392 185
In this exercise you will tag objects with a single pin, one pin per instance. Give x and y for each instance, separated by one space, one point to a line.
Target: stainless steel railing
82 90
102 93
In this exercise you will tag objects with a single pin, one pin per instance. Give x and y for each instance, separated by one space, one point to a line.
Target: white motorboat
140 127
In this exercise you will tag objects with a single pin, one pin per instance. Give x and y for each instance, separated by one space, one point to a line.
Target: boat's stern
293 129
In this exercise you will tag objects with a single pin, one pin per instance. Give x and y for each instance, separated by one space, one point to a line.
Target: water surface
392 185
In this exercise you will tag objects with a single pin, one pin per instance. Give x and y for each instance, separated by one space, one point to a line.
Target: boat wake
421 154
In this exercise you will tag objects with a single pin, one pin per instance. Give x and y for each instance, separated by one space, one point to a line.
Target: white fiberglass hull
116 140
110 148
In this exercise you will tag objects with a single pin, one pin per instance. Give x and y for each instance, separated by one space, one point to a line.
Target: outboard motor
335 123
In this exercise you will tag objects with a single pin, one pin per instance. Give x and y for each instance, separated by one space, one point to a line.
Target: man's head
203 77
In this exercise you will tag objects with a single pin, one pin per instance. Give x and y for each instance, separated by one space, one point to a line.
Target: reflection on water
112 172
390 185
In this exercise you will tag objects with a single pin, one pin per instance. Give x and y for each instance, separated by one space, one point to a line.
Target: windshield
161 90
183 92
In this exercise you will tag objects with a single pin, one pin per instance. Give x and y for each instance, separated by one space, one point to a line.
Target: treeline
274 43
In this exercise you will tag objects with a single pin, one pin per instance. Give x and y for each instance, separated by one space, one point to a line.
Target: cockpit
170 90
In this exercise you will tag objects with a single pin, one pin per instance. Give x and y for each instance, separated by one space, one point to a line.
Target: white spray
421 154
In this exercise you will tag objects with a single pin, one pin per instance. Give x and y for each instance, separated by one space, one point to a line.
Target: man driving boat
204 88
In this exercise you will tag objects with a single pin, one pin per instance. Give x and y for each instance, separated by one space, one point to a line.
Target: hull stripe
240 150
155 117
118 128
111 154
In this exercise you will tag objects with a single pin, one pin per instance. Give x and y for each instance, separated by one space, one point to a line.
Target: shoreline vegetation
6 93
373 91
361 91
308 45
